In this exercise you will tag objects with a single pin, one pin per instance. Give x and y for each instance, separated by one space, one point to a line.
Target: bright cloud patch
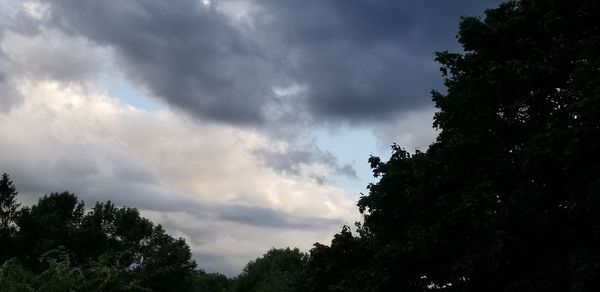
201 181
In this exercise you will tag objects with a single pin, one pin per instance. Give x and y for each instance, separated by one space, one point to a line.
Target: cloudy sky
239 125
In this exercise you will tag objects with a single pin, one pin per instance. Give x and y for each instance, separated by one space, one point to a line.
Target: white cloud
192 177
53 55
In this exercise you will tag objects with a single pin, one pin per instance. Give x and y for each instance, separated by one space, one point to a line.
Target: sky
239 125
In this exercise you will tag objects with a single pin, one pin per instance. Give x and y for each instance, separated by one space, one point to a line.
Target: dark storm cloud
186 53
356 60
368 60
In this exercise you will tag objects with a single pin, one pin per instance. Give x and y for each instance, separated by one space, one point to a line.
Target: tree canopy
56 245
8 215
278 270
507 197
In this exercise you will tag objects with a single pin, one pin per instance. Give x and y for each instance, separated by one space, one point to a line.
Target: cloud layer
67 136
229 159
249 62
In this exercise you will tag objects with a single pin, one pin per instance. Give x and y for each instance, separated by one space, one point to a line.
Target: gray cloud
185 52
367 60
128 183
246 230
9 96
265 217
52 55
291 159
357 61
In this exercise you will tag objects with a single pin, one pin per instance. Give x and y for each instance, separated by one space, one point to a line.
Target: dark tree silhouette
8 203
50 224
342 266
8 215
507 198
58 246
211 282
278 270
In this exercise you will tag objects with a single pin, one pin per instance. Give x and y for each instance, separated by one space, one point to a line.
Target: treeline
56 245
506 199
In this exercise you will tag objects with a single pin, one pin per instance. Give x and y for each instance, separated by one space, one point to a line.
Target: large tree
60 247
278 270
8 214
342 266
508 197
50 224
8 203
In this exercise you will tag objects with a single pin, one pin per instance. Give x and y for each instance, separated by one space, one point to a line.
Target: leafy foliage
211 282
506 199
279 270
8 215
58 246
343 266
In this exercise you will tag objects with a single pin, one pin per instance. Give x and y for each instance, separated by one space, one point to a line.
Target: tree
166 263
59 275
64 248
278 270
8 204
50 224
14 278
211 282
342 266
507 198
121 233
8 214
143 252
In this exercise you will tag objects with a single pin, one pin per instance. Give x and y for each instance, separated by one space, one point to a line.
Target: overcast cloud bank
229 159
